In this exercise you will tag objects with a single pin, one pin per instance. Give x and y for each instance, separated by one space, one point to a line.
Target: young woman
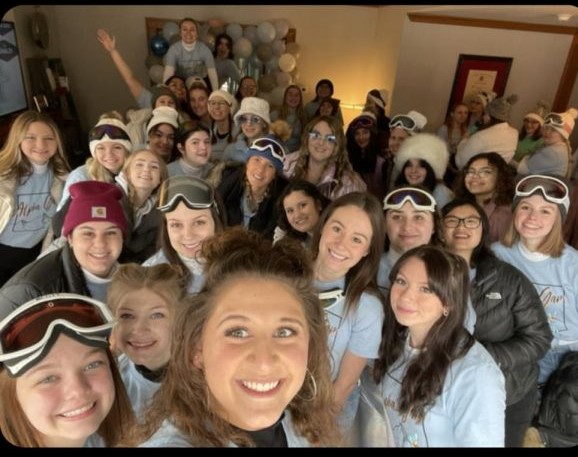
510 319
144 300
375 102
346 248
33 169
299 207
489 180
477 105
59 384
247 88
196 150
110 145
440 387
191 216
222 106
535 245
250 191
323 91
199 103
455 128
161 132
227 70
530 137
293 112
322 159
246 368
422 160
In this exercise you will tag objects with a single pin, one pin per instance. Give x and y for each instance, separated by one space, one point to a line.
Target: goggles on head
269 144
193 192
111 131
553 190
403 121
554 119
362 122
420 199
28 332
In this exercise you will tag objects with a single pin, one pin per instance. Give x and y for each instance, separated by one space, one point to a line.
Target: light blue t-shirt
195 62
470 411
76 175
237 151
196 269
139 389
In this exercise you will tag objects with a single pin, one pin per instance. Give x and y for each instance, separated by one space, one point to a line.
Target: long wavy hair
363 276
164 173
184 396
300 113
14 164
446 341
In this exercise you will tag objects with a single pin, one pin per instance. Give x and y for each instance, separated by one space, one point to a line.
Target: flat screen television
12 91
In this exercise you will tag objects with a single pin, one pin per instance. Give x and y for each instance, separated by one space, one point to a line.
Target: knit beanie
271 148
325 81
161 90
427 147
109 129
500 107
539 112
563 123
94 201
196 81
379 97
163 115
485 97
231 101
254 105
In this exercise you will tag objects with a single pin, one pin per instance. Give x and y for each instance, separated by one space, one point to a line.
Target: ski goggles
421 200
193 192
362 122
553 190
28 332
554 119
402 121
111 131
269 145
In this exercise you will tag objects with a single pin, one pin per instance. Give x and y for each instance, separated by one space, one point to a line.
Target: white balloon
264 52
277 96
287 62
272 64
293 48
250 33
278 47
242 48
266 32
234 30
281 28
283 79
171 29
156 73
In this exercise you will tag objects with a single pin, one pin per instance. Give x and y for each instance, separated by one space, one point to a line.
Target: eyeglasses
29 331
481 173
471 222
403 121
315 135
219 103
111 131
249 120
421 200
554 119
553 190
269 144
193 192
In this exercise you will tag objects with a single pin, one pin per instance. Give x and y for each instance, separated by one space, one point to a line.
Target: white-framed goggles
553 189
420 199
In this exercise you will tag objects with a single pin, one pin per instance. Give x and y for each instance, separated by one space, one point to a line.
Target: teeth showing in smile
78 411
337 256
259 386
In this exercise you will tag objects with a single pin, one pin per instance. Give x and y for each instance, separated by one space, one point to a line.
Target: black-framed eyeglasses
316 136
470 222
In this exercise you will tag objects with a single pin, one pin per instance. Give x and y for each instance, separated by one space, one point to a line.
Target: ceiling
535 14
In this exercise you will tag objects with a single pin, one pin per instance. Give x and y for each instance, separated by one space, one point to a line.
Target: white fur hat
254 105
163 115
427 147
231 101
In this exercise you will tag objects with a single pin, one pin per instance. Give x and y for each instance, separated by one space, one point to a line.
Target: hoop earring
313 386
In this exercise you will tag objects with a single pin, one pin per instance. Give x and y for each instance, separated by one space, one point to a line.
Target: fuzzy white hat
231 101
253 105
427 147
539 112
567 118
163 115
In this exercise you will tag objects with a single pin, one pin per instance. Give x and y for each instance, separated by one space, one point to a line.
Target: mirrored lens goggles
364 122
111 131
268 144
193 192
420 199
26 333
403 121
553 190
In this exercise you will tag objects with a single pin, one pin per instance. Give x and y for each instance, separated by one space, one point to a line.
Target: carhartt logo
494 295
99 212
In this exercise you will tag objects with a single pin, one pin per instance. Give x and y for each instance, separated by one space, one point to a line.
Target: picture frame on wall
13 97
476 73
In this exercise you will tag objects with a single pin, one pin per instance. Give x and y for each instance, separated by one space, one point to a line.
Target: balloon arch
267 51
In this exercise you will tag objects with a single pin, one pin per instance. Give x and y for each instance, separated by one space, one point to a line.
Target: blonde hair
128 162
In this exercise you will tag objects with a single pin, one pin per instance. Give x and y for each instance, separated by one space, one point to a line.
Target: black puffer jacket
511 324
231 191
58 271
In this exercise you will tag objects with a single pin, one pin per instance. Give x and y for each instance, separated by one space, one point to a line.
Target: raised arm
109 43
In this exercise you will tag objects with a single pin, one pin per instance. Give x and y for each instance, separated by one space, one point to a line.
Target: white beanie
231 101
567 120
419 119
253 105
110 136
163 115
427 147
539 112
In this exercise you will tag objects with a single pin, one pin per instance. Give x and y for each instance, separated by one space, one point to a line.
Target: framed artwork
479 73
12 92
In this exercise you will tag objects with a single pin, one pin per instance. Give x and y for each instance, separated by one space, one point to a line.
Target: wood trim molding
567 79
